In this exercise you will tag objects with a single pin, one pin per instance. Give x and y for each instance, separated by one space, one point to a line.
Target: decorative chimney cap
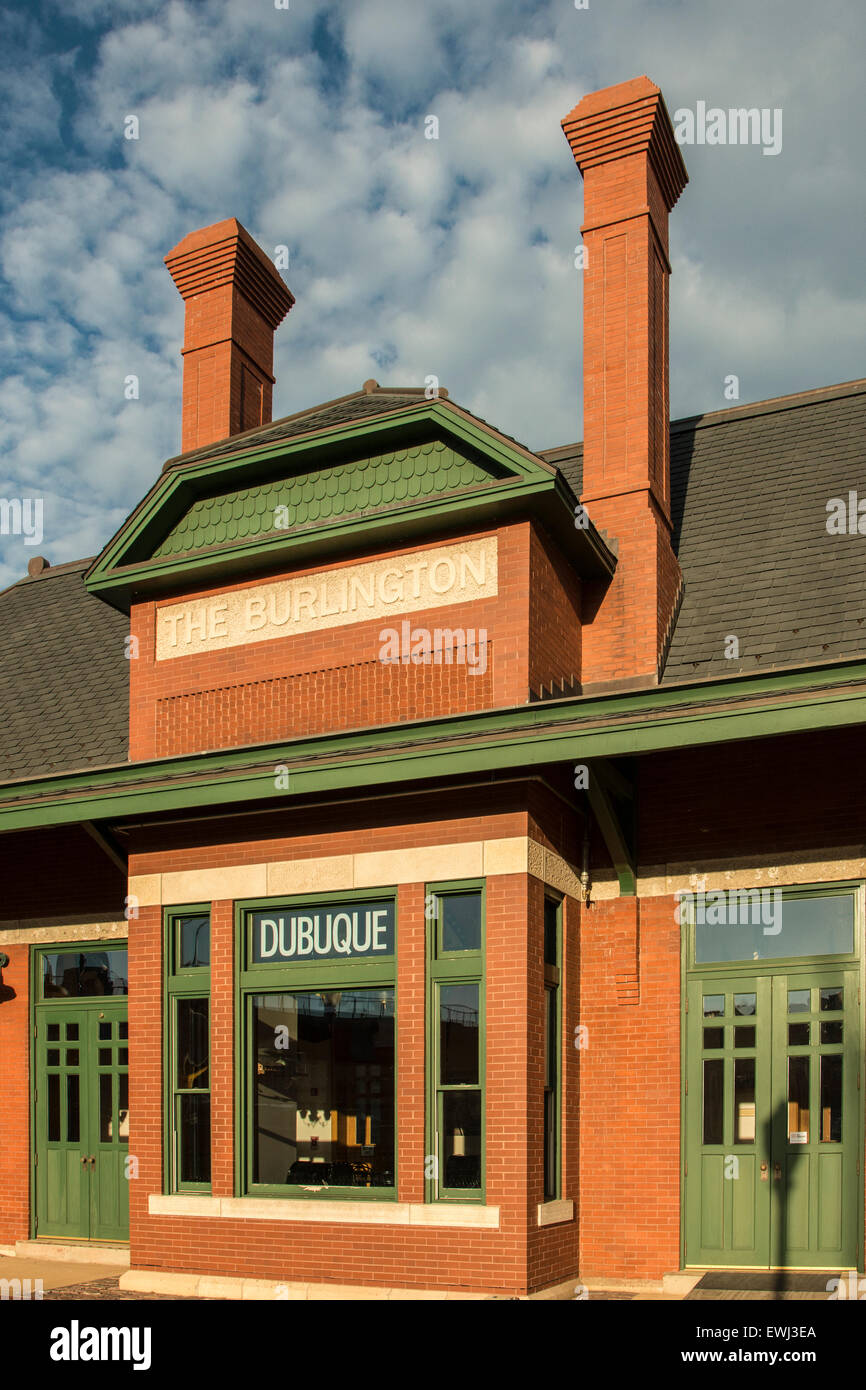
38 565
226 254
370 386
630 118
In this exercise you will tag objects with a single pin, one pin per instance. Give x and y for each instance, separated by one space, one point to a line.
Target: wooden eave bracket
606 785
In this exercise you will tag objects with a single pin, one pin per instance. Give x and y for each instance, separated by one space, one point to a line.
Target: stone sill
325 1210
551 1213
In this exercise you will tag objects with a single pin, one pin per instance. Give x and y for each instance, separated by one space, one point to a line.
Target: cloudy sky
409 256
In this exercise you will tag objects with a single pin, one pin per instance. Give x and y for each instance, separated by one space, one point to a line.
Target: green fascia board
125 565
577 730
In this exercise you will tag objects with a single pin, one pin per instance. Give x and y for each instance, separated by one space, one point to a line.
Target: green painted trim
124 564
523 737
557 898
452 967
288 979
193 983
42 1008
805 965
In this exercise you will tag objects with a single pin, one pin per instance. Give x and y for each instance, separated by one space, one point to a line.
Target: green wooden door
772 1120
816 1113
728 1102
82 1122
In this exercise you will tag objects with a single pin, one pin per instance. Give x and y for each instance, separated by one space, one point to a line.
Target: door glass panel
798 1034
831 1098
72 1032
798 1001
458 1031
123 1108
714 1083
123 1057
105 1126
831 1032
714 1005
760 924
54 1107
105 1056
73 1127
54 1056
72 1056
744 1037
798 1099
745 1004
53 1032
714 1037
123 1029
831 999
84 974
104 1031
744 1100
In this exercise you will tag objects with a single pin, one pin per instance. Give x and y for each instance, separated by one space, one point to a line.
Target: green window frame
322 976
552 1023
455 1088
189 1026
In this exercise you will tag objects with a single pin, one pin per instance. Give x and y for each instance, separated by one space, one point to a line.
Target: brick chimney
623 144
235 299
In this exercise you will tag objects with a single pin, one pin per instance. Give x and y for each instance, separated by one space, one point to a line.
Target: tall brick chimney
235 299
624 146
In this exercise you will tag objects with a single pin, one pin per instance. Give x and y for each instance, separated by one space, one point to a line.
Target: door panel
62 1180
82 1122
772 1120
109 1196
728 1086
817 1118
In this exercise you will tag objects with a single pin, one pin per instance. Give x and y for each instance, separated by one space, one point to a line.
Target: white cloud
451 256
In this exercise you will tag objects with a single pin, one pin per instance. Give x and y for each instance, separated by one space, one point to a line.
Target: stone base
84 1253
180 1285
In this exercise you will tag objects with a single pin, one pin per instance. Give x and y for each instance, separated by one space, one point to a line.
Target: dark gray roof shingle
750 488
64 677
749 493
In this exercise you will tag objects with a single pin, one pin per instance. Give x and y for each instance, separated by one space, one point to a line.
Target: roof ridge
769 406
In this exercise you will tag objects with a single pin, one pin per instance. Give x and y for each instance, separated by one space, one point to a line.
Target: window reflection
324 1088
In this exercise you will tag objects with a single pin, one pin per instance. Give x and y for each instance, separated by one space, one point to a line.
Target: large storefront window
318 999
324 1088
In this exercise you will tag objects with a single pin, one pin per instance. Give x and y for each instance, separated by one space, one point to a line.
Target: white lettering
267 924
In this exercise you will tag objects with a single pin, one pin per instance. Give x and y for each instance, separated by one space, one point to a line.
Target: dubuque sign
323 932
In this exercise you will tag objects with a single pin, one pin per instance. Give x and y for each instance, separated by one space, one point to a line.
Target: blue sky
409 256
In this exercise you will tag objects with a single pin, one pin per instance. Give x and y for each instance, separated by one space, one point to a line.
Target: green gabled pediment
272 503
322 495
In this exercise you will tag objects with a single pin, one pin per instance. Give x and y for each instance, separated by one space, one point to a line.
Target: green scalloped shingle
345 490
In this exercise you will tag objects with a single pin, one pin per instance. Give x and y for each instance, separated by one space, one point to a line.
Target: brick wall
630 1090
317 681
15 1109
515 1259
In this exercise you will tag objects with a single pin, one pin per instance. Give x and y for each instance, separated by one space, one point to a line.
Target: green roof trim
341 490
564 730
506 482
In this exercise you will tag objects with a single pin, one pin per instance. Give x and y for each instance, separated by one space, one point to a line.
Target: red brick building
433 867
